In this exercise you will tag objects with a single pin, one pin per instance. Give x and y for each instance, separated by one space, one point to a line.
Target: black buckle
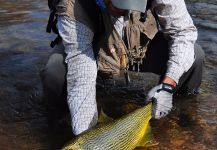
168 88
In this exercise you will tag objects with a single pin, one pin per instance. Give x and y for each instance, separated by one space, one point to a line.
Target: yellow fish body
125 133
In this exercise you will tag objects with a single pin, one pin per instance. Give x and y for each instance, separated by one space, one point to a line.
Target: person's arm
178 28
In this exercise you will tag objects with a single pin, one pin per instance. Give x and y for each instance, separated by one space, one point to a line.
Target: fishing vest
117 55
114 54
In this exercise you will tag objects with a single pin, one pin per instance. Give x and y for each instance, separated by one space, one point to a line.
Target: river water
24 49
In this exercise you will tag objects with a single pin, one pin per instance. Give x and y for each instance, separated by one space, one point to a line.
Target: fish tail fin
148 139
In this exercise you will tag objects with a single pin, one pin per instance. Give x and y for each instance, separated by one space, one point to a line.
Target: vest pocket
107 65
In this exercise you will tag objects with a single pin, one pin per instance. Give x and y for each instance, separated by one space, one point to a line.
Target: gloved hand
162 99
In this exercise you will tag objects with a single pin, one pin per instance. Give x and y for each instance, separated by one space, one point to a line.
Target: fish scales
123 134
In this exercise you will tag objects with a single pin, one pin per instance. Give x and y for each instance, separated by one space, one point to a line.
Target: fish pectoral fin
103 118
148 139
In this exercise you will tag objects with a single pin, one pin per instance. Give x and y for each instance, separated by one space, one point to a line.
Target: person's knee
199 54
53 75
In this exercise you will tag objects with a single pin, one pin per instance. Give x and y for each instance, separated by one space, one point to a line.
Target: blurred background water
24 49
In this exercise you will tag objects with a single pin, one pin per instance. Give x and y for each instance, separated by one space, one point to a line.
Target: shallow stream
24 49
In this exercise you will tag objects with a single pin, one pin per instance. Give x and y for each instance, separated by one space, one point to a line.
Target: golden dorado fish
125 133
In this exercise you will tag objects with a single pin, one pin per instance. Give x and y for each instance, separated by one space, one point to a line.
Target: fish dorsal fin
148 139
103 118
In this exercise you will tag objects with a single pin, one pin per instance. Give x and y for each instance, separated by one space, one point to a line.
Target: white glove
162 96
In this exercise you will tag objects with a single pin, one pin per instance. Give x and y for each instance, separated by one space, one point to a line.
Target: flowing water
24 49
